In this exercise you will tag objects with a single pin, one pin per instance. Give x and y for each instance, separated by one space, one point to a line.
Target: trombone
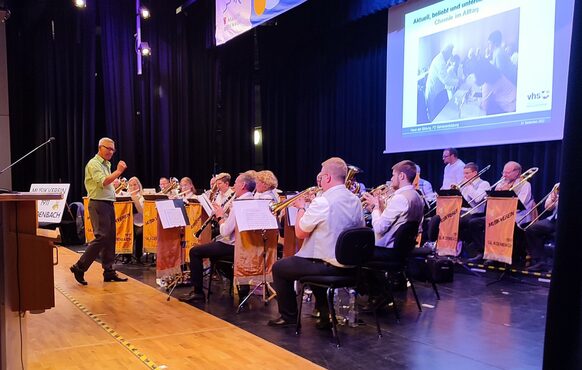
522 178
277 207
555 190
432 206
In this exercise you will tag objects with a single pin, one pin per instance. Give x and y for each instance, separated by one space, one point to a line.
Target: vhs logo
542 95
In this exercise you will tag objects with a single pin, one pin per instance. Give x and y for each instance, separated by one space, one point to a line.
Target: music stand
254 215
172 214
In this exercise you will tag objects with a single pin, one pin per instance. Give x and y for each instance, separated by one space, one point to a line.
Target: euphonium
277 207
352 185
122 185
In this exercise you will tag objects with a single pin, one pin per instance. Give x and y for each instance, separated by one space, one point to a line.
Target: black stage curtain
563 341
321 72
185 116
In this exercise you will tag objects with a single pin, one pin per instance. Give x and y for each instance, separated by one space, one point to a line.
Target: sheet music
169 215
292 212
254 214
206 204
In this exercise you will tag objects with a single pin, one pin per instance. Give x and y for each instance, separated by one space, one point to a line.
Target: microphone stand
2 190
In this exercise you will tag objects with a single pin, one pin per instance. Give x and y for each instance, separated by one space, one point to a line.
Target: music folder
454 193
506 194
254 214
172 213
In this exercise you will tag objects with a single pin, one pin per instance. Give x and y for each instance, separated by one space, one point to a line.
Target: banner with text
236 17
448 209
51 211
123 227
499 226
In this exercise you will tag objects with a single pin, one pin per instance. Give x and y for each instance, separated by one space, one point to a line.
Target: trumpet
122 185
468 181
352 185
277 207
522 178
555 190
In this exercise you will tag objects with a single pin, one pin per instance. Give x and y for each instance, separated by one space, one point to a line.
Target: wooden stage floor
131 326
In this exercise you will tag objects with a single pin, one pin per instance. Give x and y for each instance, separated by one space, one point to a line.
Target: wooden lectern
26 271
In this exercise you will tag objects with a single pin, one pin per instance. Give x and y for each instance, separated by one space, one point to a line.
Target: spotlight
258 136
144 12
80 3
144 49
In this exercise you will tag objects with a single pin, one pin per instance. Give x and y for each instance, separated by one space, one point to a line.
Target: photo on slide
469 71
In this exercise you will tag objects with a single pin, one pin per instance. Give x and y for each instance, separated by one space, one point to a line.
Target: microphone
52 138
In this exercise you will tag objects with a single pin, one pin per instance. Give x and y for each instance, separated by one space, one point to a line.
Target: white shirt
221 198
524 194
405 205
327 216
425 188
474 193
138 201
453 174
227 227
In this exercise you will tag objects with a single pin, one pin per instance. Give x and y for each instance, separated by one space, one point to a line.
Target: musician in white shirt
320 232
453 172
266 186
224 248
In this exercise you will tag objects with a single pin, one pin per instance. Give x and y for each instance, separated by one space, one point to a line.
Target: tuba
351 184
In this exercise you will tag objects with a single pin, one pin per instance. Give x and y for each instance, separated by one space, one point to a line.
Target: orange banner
248 256
499 226
169 258
194 212
88 226
448 209
150 227
123 227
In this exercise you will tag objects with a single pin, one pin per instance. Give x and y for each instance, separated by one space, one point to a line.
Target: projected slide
476 72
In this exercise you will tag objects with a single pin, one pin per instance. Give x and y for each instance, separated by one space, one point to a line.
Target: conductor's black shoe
113 278
79 274
280 322
192 297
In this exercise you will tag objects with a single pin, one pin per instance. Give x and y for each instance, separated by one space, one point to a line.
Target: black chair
213 269
354 247
404 243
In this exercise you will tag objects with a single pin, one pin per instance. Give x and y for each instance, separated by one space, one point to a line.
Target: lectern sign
50 211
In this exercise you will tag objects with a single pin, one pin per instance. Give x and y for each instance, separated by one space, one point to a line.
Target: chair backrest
355 246
405 238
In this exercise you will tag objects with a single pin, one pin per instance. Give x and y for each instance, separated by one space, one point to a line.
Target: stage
132 326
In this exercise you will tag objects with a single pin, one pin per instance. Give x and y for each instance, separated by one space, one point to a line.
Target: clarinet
211 218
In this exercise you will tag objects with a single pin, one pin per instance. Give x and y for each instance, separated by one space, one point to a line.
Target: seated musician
120 185
135 190
511 177
223 246
187 189
404 205
425 188
168 187
541 231
222 182
320 233
266 185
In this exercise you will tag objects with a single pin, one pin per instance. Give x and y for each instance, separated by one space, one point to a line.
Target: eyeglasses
108 148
